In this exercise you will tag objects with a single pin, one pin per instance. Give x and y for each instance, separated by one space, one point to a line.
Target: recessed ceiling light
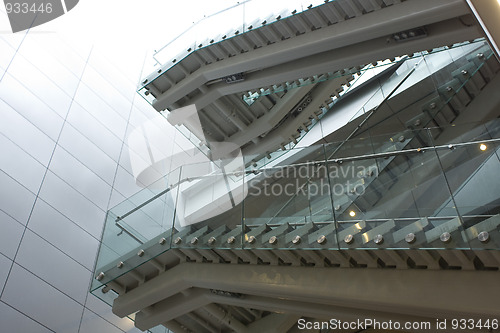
482 146
352 213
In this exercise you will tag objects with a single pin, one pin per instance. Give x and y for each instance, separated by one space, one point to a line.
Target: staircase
172 279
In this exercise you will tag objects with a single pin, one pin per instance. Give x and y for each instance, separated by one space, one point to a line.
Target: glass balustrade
374 192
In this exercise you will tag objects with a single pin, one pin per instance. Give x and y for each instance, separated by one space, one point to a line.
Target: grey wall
65 111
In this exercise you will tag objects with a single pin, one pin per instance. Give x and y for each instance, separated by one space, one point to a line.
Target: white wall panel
88 153
5 264
92 323
80 178
15 199
45 62
11 234
108 91
95 131
25 134
14 40
30 107
100 107
40 301
6 55
40 85
59 51
123 81
67 276
64 234
14 321
20 165
98 306
72 204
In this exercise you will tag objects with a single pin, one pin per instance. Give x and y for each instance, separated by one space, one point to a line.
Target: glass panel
410 189
379 192
209 208
285 203
471 170
379 197
145 221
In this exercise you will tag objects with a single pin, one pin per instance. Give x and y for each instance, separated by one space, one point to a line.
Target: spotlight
352 213
483 147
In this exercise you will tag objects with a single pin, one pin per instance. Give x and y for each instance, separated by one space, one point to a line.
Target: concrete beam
288 312
425 293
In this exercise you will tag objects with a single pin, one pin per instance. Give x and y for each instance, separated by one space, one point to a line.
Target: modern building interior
331 167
